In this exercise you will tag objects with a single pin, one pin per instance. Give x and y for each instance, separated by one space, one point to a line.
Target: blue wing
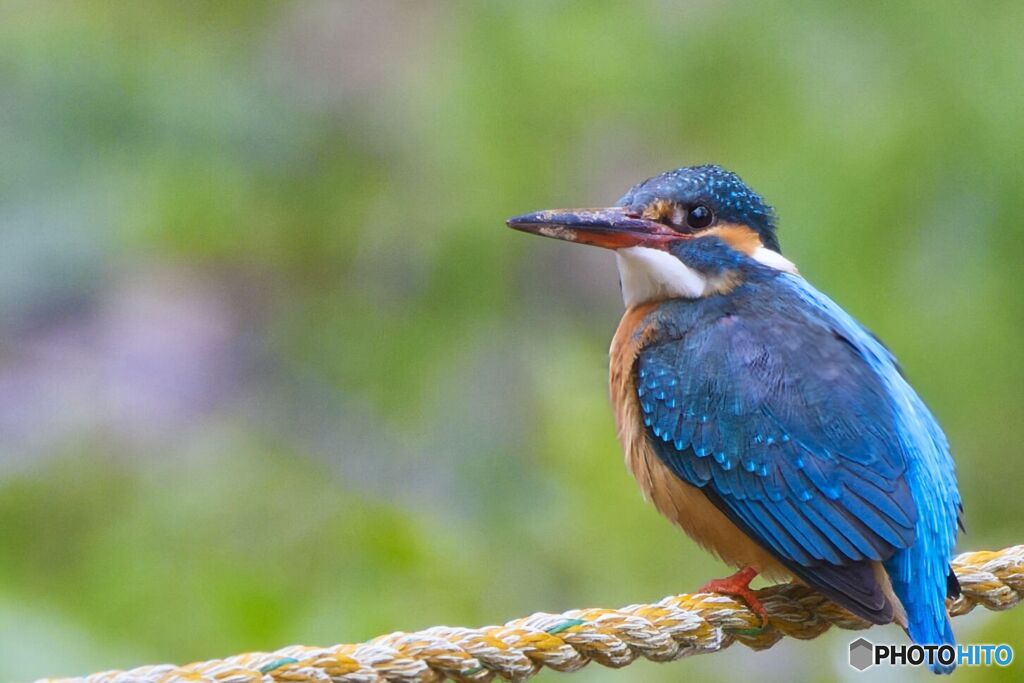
772 407
920 575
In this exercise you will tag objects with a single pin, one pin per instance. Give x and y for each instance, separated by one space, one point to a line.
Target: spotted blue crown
721 190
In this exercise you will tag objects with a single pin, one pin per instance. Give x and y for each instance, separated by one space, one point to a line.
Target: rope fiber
675 627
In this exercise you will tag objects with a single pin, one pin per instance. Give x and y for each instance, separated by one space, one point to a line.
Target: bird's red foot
738 585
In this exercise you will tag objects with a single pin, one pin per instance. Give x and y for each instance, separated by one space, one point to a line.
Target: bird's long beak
611 228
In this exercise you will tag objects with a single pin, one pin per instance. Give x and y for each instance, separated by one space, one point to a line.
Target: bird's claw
738 585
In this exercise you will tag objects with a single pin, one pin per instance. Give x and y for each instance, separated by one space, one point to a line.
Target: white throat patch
652 274
648 274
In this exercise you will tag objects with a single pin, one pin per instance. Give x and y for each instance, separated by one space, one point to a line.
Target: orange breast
682 503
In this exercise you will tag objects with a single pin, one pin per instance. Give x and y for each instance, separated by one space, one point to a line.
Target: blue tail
923 594
921 576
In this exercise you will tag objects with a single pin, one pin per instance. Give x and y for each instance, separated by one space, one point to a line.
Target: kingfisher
760 417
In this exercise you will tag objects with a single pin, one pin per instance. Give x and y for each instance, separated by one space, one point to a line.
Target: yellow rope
677 626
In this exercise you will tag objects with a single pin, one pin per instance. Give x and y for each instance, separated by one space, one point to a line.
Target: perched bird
760 417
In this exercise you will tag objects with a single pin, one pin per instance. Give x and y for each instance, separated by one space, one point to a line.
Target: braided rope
677 626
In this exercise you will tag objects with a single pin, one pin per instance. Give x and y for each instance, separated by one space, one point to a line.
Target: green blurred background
273 371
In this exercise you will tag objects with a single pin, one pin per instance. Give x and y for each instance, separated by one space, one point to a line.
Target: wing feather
775 415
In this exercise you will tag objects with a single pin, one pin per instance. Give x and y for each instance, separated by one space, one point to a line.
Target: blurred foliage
272 370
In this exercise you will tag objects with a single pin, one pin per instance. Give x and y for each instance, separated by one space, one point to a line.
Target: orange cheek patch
740 237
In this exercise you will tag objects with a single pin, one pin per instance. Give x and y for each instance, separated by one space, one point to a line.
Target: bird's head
687 233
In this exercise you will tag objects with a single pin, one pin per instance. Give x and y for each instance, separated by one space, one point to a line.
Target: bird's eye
699 217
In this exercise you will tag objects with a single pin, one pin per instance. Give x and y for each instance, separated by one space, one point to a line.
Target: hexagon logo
862 654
